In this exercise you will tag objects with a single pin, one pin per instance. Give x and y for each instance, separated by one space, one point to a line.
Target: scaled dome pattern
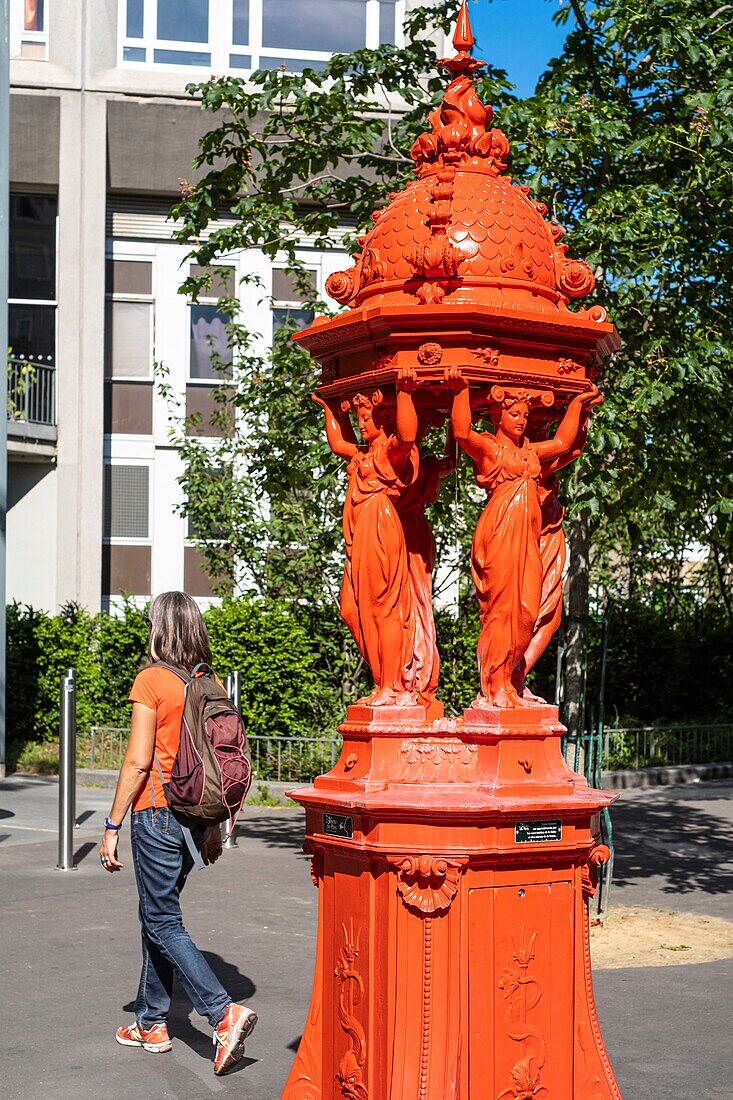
462 231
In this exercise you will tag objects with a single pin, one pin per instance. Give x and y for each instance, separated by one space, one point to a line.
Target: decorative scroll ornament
437 258
350 1076
591 872
340 286
427 884
516 263
523 992
574 277
316 867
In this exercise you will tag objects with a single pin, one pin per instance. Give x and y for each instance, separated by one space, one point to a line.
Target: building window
127 502
287 301
28 30
210 357
129 320
265 34
32 308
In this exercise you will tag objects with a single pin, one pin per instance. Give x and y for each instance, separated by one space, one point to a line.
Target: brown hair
178 634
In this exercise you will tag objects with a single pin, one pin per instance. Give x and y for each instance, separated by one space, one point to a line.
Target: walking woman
160 855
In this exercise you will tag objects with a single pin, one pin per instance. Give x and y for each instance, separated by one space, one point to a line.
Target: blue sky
517 35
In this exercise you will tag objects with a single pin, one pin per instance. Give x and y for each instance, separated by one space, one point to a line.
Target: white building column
80 358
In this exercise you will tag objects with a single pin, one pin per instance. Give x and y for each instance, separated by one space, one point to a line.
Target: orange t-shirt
162 691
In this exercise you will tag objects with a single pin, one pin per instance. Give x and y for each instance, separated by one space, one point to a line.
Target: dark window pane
211 406
222 280
128 408
126 569
181 57
208 338
240 61
284 287
129 277
386 22
32 333
133 53
240 28
333 26
134 18
183 20
292 318
33 246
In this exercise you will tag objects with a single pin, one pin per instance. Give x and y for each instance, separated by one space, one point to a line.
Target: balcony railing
31 392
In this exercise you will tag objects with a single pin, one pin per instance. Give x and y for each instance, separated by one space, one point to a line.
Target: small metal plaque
338 825
537 832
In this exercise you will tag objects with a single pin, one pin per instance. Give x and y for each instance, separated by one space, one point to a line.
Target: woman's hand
454 380
319 400
211 847
108 851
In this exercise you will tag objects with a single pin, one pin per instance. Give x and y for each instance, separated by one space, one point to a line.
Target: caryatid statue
376 594
553 555
420 544
506 562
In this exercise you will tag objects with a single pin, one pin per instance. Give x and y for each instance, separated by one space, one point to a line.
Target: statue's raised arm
572 427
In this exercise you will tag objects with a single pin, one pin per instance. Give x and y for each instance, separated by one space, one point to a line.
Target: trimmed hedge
299 664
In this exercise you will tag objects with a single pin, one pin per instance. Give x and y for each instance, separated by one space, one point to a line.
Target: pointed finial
463 39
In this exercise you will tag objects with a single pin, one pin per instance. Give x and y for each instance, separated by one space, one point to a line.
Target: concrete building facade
102 131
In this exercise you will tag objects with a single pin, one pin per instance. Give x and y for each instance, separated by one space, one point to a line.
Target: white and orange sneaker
156 1041
230 1035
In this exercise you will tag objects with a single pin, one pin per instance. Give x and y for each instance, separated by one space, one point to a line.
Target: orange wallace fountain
454 857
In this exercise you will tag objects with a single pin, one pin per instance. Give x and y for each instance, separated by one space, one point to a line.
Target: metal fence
652 746
300 759
274 758
31 392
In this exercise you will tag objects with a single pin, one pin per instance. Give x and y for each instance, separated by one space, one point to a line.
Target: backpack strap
187 834
195 853
179 672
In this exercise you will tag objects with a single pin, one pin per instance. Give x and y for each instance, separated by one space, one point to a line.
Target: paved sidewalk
69 961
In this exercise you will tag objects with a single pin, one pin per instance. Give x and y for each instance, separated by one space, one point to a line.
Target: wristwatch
111 825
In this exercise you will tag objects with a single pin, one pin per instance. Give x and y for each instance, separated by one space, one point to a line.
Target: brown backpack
212 770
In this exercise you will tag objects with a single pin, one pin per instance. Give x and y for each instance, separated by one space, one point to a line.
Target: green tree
628 137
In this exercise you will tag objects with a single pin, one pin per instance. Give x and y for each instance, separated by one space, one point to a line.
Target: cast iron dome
462 231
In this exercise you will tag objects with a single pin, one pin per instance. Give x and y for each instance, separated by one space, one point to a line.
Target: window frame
126 540
114 256
49 303
220 45
206 299
292 303
20 37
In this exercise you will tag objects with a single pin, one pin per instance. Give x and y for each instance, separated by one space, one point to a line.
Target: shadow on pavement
672 839
238 986
81 853
275 832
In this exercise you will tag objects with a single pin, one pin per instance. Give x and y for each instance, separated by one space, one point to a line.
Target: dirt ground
633 936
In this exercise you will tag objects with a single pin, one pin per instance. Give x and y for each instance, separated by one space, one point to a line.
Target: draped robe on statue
553 552
376 584
505 558
421 559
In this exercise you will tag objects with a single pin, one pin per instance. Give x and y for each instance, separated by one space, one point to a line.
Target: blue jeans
162 865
